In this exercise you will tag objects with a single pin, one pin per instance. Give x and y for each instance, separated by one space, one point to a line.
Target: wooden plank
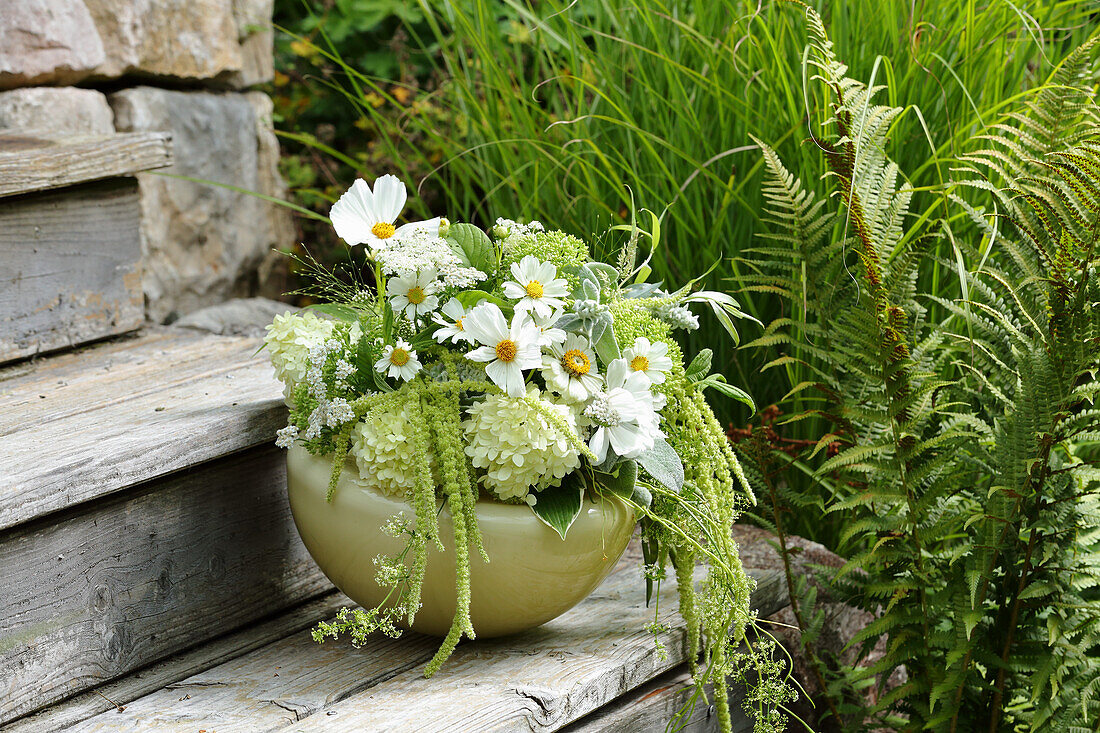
100 591
37 161
118 693
127 413
649 708
540 680
69 267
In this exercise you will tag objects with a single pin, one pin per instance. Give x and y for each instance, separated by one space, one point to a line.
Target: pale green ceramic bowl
533 575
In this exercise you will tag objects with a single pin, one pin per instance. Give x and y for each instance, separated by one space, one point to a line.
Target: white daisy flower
451 329
623 415
537 286
648 358
570 369
508 349
549 335
398 361
362 216
414 293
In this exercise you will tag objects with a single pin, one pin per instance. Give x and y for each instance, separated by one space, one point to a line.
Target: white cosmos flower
623 414
549 335
537 286
413 293
648 358
508 349
453 328
570 369
398 361
362 216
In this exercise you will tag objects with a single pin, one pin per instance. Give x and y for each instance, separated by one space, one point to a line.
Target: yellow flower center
534 289
458 325
576 362
383 230
399 357
506 350
416 295
639 363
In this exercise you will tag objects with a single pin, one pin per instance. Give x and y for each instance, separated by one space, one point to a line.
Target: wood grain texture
540 680
33 161
119 692
649 708
69 267
105 589
127 412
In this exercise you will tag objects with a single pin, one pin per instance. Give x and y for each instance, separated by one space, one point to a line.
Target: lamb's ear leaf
662 463
559 506
473 247
607 348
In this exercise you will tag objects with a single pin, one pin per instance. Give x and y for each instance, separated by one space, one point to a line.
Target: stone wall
182 66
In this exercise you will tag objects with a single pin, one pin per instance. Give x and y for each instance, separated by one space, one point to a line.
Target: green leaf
621 480
470 298
700 365
607 348
719 383
559 506
662 463
473 247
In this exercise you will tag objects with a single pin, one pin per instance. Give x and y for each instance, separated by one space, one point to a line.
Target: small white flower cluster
423 252
507 229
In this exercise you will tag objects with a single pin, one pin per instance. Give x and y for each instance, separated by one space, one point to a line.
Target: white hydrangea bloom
289 338
381 445
517 447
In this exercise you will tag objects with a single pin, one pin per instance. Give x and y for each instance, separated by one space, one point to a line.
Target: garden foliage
957 448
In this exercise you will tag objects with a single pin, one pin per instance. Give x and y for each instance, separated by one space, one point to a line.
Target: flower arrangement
515 368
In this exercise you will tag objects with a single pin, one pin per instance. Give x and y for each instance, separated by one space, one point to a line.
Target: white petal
514 291
485 353
599 444
353 214
616 373
389 197
498 373
428 226
486 323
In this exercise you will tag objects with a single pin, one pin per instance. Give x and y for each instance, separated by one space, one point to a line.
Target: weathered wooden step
70 246
541 680
143 509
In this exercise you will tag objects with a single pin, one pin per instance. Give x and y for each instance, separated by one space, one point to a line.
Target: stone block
204 243
222 42
61 109
47 42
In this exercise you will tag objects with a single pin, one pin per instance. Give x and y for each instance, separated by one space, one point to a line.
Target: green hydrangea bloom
565 251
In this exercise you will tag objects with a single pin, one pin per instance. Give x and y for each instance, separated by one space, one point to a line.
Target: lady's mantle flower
413 293
537 287
570 369
651 359
364 216
507 349
518 448
623 415
453 328
398 361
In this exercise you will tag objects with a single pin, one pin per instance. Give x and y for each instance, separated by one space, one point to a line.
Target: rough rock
273 270
64 109
176 39
257 39
237 317
203 243
842 621
47 42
